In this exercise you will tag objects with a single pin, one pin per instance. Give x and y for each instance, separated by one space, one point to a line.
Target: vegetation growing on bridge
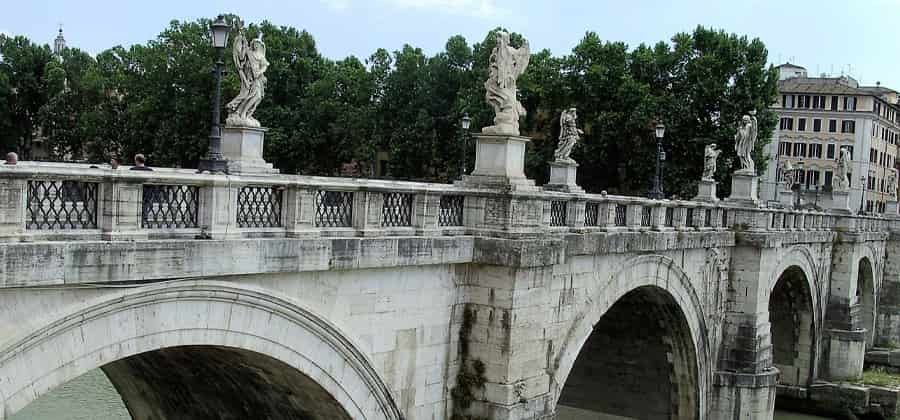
332 116
471 372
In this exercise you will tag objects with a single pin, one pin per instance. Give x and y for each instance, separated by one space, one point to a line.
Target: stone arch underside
639 350
865 298
792 327
168 346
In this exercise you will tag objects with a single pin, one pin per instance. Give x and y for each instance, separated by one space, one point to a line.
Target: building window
815 150
784 148
834 103
799 149
832 126
817 125
822 102
828 176
812 177
849 103
848 126
801 124
787 123
829 151
849 149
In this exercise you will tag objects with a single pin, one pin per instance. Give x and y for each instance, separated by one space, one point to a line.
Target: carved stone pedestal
706 191
840 202
744 189
562 177
499 163
243 148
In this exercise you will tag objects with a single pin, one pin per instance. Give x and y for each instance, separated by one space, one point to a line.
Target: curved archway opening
865 298
214 382
638 363
792 331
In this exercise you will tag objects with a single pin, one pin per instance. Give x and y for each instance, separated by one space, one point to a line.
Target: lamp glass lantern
660 131
466 121
219 31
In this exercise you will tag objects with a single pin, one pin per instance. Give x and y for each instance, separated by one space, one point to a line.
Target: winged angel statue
506 65
251 63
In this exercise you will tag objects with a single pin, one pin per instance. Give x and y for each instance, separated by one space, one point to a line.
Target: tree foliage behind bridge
334 116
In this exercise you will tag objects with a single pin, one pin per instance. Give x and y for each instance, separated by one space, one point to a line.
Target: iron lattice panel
396 209
670 217
707 218
774 221
334 208
451 210
259 207
591 214
645 216
725 218
689 218
557 213
170 206
620 214
61 205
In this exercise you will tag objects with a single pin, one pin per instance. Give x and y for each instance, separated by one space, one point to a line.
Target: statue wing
521 56
241 51
754 130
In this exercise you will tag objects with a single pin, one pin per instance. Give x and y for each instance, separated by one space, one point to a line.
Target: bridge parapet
70 201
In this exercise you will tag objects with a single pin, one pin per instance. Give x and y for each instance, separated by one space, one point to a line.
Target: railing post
121 210
575 214
367 212
300 213
426 207
633 218
218 209
13 196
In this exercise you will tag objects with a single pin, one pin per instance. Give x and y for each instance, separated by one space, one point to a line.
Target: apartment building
820 115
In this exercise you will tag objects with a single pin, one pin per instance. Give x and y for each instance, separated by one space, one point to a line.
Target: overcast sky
822 35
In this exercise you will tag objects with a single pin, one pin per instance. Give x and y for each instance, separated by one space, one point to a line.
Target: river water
92 397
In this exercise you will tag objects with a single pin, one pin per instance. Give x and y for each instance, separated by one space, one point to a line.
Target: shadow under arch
793 327
866 298
659 289
222 321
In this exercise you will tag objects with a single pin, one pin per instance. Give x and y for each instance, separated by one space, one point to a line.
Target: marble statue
745 141
506 65
787 173
841 181
891 184
710 156
569 134
250 61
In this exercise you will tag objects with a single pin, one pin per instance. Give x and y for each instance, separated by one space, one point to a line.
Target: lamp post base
213 166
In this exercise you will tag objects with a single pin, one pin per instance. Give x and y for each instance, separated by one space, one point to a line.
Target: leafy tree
23 91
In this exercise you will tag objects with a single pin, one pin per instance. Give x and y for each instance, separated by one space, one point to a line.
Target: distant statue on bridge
891 184
710 156
745 141
250 61
506 65
842 181
569 134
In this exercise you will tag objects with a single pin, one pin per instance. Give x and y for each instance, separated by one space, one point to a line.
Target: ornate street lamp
465 122
213 162
657 192
862 196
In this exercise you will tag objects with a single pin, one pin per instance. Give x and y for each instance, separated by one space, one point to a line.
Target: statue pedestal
562 177
499 163
840 202
744 189
706 191
243 147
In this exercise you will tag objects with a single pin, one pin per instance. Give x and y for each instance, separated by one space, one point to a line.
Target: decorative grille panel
334 208
645 216
724 218
689 218
707 218
451 210
259 207
557 213
61 205
396 209
670 217
170 206
620 214
591 213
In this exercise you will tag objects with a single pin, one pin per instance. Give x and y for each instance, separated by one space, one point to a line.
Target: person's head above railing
12 158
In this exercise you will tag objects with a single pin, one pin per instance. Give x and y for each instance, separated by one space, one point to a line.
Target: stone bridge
296 297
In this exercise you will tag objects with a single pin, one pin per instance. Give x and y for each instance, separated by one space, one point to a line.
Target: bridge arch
866 298
667 297
233 327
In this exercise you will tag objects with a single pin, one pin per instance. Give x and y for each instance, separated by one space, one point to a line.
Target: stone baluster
13 196
218 209
121 209
300 213
426 210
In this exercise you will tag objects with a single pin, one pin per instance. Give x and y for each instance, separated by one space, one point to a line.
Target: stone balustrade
72 201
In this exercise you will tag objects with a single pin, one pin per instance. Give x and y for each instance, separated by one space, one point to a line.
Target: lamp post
862 196
799 185
657 192
213 162
465 122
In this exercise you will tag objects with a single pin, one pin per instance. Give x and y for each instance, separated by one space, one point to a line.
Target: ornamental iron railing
259 207
62 205
334 208
557 213
645 216
396 209
170 206
450 212
591 213
620 218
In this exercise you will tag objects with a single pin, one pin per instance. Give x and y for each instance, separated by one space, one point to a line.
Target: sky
858 38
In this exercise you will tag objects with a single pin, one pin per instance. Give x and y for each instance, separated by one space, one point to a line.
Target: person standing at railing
114 163
12 158
139 163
